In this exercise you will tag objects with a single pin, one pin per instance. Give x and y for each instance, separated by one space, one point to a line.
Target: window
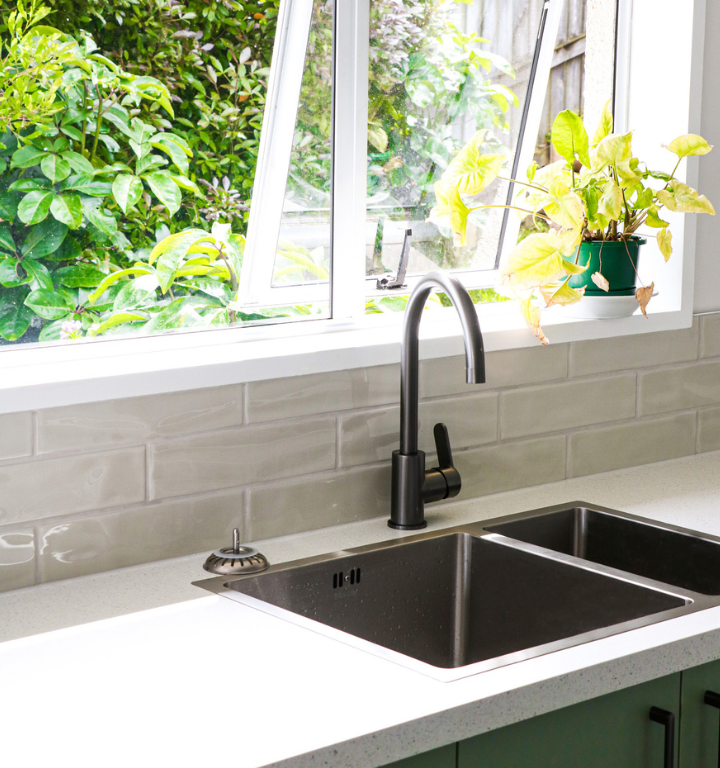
415 80
354 134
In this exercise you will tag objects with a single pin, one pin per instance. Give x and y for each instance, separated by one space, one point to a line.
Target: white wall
707 263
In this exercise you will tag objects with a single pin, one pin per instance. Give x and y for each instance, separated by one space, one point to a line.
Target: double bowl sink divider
474 597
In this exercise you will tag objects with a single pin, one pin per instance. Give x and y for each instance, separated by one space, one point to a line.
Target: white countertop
166 674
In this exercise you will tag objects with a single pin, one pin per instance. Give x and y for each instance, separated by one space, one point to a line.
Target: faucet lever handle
442 445
451 482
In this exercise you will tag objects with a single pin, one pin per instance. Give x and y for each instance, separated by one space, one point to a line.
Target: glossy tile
565 405
631 444
322 393
136 419
373 435
505 466
283 508
710 335
506 368
16 439
675 389
140 535
17 559
51 487
708 430
642 350
236 457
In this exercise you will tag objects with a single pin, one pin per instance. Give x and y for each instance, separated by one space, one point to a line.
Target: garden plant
597 192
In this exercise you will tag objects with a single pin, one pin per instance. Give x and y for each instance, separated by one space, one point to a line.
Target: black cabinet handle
712 699
666 719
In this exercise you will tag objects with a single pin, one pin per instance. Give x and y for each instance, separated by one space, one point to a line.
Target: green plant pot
615 260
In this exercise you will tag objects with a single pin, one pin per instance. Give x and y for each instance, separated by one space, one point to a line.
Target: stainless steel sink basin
664 553
456 602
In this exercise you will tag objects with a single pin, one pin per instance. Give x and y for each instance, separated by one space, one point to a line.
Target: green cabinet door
445 757
613 731
700 725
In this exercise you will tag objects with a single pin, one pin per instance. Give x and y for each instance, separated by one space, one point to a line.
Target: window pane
144 124
303 251
441 71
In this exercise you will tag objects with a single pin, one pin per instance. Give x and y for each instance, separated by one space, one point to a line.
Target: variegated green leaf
677 197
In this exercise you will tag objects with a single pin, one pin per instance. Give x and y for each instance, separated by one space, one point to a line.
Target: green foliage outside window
129 132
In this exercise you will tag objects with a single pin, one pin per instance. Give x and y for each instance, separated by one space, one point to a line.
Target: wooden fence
511 27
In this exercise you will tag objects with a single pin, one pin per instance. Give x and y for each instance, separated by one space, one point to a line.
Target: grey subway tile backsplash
631 444
322 393
17 559
676 389
136 419
708 430
372 436
507 368
566 405
318 501
621 353
506 466
289 455
237 457
51 487
139 535
16 435
710 335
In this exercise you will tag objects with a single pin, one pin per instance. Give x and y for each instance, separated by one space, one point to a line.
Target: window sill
44 377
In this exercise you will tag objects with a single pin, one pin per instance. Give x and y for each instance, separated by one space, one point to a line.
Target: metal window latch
393 283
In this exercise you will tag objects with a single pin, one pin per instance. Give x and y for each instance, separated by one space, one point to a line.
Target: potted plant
586 208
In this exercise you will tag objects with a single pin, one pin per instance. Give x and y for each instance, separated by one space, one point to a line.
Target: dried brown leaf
601 281
531 313
541 335
643 295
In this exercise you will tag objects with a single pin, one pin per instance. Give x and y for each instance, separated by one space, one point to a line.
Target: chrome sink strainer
236 560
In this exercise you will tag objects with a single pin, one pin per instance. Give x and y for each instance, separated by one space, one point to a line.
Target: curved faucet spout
412 484
474 352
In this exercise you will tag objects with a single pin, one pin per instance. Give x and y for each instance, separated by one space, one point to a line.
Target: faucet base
407 511
401 527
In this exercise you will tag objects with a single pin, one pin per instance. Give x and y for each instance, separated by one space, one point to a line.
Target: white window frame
34 376
349 284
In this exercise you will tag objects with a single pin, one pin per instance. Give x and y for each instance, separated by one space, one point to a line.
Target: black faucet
412 485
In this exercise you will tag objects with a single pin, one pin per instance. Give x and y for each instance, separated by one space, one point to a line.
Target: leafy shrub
213 56
78 181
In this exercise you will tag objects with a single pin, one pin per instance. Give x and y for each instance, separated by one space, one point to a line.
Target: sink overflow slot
351 577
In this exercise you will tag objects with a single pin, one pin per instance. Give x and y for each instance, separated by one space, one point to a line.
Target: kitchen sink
475 597
455 600
668 554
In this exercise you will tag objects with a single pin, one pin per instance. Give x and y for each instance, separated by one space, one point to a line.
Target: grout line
567 455
36 546
570 360
34 432
245 408
500 411
338 443
697 431
700 339
637 395
246 520
148 475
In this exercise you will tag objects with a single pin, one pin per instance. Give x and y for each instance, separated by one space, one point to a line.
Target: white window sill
35 378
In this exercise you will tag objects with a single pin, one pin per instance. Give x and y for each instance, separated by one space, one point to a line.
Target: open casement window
341 180
477 67
287 257
429 75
